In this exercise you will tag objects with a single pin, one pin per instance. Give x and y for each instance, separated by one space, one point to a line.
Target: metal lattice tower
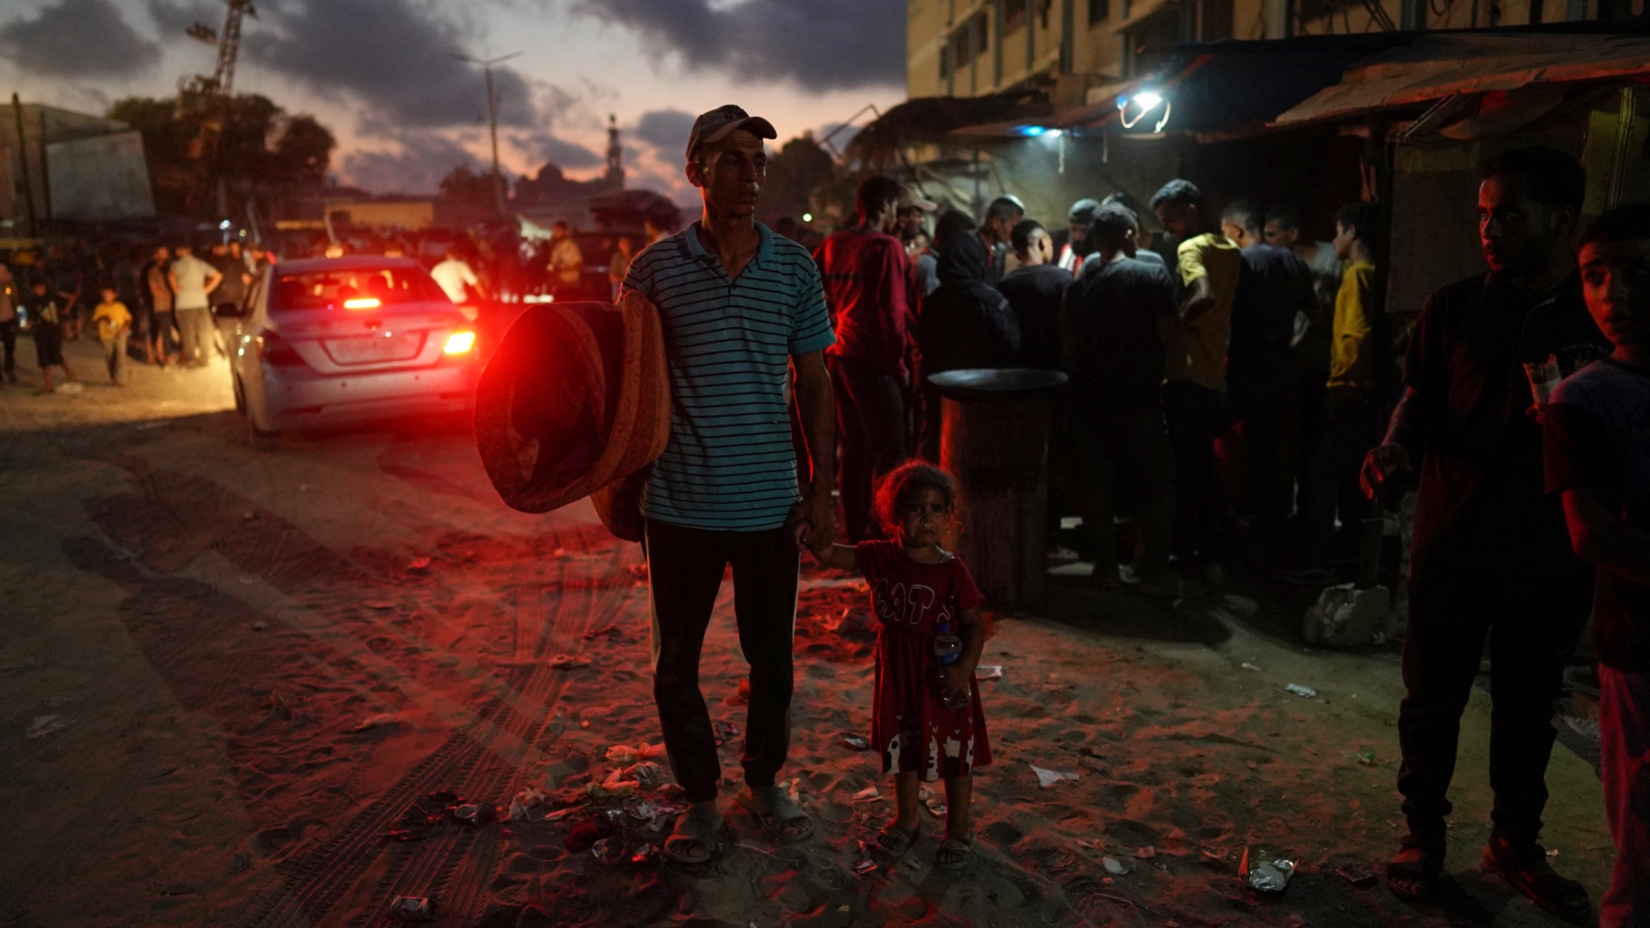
228 40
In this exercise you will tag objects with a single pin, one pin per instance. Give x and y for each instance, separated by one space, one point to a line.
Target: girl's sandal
954 854
894 842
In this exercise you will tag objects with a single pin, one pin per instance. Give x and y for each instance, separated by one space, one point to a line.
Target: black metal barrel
994 439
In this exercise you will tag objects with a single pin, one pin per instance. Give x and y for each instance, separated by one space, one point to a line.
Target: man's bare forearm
818 409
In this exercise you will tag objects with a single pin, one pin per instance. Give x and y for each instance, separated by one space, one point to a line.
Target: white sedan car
327 341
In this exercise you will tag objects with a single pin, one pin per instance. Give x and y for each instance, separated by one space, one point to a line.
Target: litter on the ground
725 732
475 814
1362 879
1113 865
260 626
646 855
647 774
418 564
1047 778
1268 876
608 850
629 754
989 672
528 805
412 909
867 794
1305 692
569 661
1345 616
932 801
1367 758
865 866
856 742
1248 666
46 724
1146 853
616 786
380 720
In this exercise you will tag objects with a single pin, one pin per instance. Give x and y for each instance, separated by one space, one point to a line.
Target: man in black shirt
1274 287
1111 327
1034 290
1491 558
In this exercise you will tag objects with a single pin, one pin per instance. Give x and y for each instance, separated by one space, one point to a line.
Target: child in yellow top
114 328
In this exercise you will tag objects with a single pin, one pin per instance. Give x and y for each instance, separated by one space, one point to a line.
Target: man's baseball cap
913 199
715 125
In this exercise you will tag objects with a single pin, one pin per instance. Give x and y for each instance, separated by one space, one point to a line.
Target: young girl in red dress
920 591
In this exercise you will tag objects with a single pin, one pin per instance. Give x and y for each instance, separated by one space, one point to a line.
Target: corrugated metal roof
1437 66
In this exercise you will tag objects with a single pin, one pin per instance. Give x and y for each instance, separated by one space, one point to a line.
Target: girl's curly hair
902 484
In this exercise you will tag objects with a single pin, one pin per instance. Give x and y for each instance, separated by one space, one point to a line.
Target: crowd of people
1226 336
1238 389
155 305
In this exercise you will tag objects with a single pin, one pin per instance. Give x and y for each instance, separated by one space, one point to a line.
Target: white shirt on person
452 274
192 274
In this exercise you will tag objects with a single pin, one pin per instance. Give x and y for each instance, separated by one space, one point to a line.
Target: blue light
1031 132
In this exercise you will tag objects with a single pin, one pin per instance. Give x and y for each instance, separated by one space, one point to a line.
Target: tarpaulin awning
1437 66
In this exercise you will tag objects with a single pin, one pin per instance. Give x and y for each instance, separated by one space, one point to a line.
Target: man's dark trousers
1532 624
1193 415
685 566
8 346
870 428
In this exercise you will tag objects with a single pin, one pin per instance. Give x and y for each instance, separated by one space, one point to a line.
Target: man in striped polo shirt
742 309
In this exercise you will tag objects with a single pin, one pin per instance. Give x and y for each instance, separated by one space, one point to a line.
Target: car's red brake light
460 342
275 351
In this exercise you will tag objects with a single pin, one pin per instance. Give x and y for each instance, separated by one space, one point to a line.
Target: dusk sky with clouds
382 73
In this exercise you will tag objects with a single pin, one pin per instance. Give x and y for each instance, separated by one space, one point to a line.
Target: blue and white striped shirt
730 464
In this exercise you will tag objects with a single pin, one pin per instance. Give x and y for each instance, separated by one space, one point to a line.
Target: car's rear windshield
353 288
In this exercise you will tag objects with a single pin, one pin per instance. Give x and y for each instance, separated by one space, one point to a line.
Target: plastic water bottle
947 650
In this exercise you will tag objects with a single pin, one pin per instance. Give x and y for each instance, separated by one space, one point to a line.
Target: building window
1099 11
970 40
1015 13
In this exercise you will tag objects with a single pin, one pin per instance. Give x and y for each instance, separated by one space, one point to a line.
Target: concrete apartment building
971 48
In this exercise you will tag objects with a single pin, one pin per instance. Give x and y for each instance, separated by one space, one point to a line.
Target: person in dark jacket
965 322
1274 287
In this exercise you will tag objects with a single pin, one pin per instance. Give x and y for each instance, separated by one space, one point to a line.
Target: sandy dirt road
194 632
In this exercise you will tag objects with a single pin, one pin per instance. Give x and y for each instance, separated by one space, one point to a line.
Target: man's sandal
954 854
694 839
779 814
894 842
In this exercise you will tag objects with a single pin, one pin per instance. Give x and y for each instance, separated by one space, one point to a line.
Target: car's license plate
376 348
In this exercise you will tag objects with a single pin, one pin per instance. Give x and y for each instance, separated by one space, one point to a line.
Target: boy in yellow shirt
114 329
1360 378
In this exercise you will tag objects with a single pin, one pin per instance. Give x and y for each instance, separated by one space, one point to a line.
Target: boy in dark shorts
1598 459
45 317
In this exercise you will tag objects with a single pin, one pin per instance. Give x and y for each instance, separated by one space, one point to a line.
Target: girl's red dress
912 728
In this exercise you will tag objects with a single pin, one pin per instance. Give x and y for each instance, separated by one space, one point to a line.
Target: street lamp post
492 120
